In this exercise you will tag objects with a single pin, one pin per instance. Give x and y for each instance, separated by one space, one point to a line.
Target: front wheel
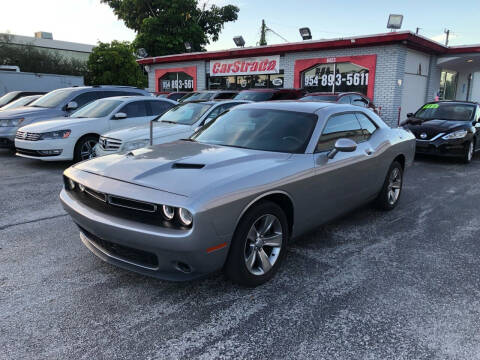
469 150
258 245
392 187
84 148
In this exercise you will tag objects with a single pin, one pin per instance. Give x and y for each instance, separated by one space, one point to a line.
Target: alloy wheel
394 186
263 245
87 151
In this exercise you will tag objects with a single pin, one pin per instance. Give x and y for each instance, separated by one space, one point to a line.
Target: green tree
114 64
32 59
163 26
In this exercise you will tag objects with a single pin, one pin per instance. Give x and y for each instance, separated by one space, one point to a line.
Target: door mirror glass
409 115
72 105
120 115
343 145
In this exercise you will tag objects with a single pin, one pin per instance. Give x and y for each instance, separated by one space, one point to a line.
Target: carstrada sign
246 66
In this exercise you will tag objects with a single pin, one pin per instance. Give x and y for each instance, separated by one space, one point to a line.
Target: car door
156 108
342 181
136 112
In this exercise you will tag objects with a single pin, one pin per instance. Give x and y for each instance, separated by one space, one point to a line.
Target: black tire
236 267
469 152
78 153
384 199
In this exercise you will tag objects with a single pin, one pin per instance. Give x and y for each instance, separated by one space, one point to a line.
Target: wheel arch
401 159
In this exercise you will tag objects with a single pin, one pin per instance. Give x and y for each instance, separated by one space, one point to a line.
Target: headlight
185 216
455 135
168 212
137 144
11 122
60 134
71 184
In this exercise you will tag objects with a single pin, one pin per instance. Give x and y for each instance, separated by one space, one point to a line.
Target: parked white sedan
74 137
178 123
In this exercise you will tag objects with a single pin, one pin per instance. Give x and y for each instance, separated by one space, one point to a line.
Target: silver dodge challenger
233 195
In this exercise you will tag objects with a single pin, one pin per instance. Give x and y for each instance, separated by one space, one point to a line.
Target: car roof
454 102
132 97
289 105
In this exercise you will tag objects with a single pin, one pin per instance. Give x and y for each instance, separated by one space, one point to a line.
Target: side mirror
409 115
120 115
72 105
342 145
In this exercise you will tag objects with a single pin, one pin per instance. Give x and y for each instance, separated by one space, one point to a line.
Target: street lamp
239 41
305 33
394 22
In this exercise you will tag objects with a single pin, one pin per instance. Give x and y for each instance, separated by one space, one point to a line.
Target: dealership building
399 71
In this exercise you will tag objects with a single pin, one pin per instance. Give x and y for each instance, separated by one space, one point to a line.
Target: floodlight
305 33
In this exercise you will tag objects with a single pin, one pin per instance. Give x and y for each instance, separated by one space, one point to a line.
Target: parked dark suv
353 98
270 94
60 102
14 95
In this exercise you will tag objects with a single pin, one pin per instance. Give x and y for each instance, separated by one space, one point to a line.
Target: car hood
26 111
437 125
143 131
183 167
59 123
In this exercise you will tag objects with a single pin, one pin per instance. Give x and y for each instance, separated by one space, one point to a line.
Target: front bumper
441 147
7 137
165 253
36 149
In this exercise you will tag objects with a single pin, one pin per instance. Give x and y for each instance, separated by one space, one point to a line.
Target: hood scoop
187 166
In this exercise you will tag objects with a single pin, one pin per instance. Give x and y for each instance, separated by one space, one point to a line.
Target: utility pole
263 34
447 33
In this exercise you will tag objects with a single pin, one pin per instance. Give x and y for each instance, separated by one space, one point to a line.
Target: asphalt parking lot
372 285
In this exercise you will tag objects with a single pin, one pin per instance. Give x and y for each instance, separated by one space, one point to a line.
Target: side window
135 109
368 127
359 101
159 107
87 97
225 95
337 127
344 99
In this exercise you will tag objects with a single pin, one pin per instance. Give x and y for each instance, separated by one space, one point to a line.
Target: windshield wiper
188 139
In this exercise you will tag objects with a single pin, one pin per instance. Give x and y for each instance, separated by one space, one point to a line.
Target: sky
89 21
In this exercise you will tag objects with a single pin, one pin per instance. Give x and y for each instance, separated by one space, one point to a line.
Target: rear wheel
392 187
469 151
258 245
84 148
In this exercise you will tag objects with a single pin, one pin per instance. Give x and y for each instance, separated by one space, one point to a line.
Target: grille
127 253
109 143
22 135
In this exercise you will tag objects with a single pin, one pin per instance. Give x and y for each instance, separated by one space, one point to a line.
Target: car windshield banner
246 66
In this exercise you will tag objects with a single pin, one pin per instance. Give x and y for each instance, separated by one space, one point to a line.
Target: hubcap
263 245
87 152
394 186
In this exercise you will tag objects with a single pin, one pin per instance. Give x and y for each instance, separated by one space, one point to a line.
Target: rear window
254 95
320 98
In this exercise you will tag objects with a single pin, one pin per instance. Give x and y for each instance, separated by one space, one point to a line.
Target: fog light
168 212
71 184
50 152
185 216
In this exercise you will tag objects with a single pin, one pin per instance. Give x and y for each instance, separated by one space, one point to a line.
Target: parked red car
270 94
353 98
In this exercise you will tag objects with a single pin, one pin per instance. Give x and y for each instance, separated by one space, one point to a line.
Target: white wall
415 81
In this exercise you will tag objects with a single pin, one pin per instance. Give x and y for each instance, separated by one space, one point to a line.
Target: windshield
319 98
23 101
97 109
199 96
260 129
254 95
53 98
185 114
446 111
5 99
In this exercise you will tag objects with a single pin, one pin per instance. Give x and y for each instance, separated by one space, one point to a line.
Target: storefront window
243 82
448 85
337 77
175 81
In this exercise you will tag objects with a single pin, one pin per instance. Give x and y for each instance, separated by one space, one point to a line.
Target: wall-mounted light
188 46
394 21
305 33
239 41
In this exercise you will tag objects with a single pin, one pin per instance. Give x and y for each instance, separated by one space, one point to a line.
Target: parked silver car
60 102
234 194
